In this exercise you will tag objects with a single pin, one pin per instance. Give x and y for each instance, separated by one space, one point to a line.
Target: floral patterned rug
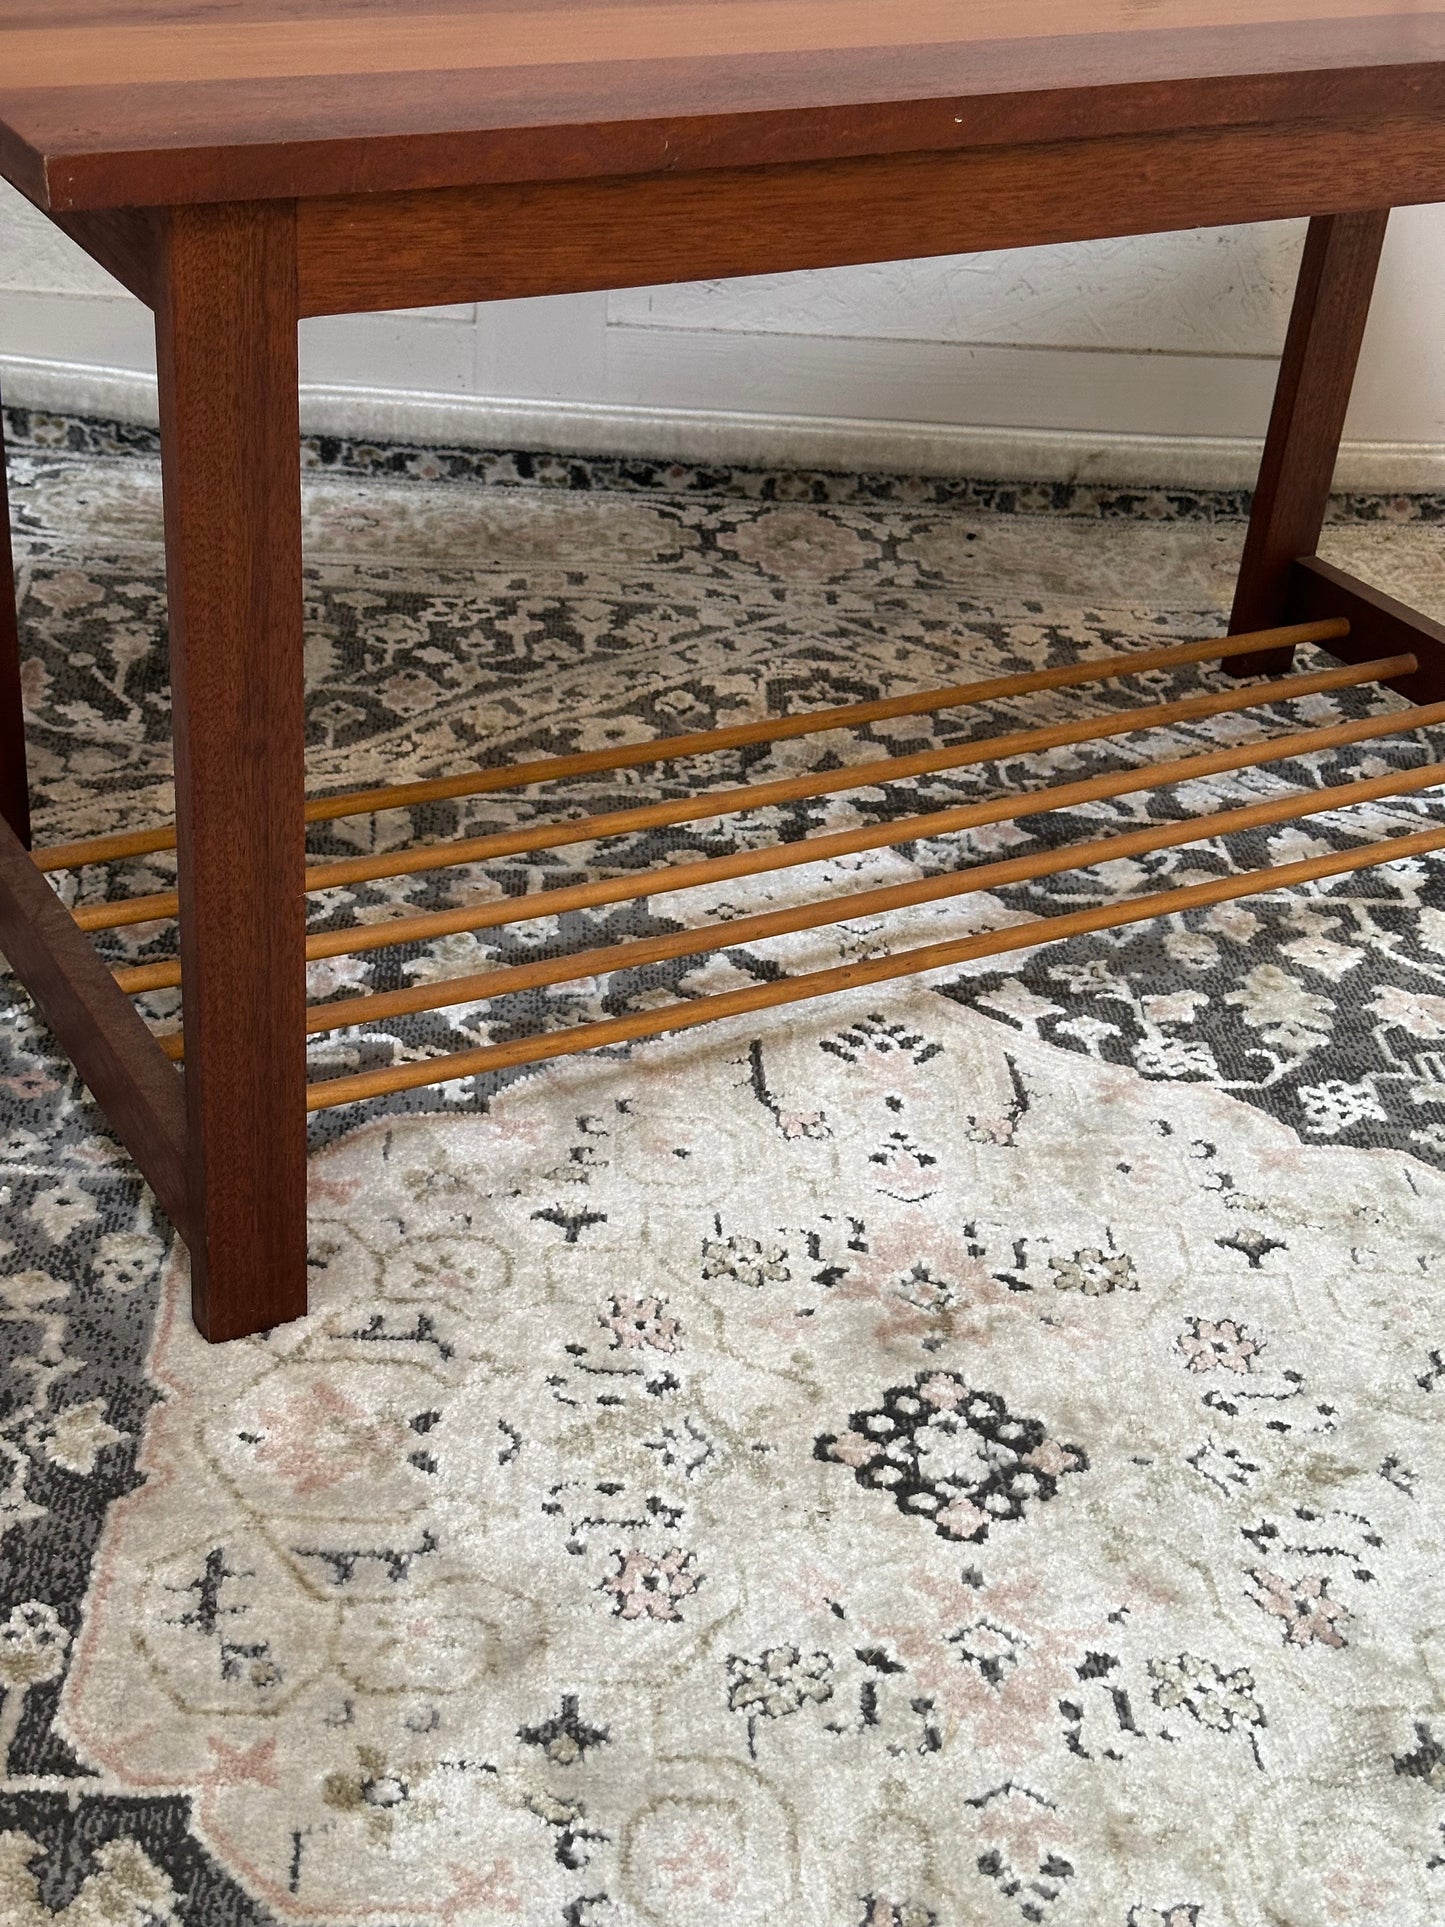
961 1456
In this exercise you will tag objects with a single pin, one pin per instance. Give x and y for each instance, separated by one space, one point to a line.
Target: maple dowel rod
792 789
116 912
347 1012
322 809
355 941
353 1088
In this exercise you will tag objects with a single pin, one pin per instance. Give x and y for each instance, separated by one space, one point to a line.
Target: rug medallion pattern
963 1457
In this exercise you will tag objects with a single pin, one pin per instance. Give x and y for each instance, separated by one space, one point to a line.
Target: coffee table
240 167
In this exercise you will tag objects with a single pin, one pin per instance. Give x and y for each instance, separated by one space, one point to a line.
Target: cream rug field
923 1460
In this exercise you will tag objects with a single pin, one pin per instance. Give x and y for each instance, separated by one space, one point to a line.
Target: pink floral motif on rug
883 1471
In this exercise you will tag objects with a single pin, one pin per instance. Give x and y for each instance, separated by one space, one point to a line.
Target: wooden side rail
14 789
100 1031
1376 621
372 250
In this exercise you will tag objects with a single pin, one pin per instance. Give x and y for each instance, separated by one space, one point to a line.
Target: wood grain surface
97 1027
1317 589
226 347
125 241
1312 393
489 242
14 785
109 51
118 102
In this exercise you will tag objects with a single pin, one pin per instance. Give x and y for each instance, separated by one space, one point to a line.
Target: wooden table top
137 102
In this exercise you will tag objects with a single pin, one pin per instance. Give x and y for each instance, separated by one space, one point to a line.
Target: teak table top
107 103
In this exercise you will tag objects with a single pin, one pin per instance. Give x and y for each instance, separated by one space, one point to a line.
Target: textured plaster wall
1216 291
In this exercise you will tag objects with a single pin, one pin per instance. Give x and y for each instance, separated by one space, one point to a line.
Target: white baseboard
758 440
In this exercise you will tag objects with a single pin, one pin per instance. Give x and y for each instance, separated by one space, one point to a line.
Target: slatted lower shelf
704 804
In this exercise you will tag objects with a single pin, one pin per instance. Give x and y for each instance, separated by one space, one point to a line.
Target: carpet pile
955 1456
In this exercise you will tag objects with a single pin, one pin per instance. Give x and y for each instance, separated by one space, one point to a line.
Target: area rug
969 1454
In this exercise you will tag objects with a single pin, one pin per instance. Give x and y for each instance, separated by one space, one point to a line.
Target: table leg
226 348
14 789
1317 372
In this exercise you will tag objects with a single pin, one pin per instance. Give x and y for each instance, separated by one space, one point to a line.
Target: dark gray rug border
43 432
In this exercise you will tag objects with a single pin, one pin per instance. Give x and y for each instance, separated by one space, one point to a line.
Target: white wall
1133 360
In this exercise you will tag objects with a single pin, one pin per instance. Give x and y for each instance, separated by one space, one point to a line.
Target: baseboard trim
736 437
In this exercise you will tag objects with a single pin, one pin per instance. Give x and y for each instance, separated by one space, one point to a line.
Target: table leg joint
98 1027
1379 625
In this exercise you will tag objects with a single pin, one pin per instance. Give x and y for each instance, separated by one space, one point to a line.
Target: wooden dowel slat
321 809
116 913
347 1012
787 789
139 978
353 1088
